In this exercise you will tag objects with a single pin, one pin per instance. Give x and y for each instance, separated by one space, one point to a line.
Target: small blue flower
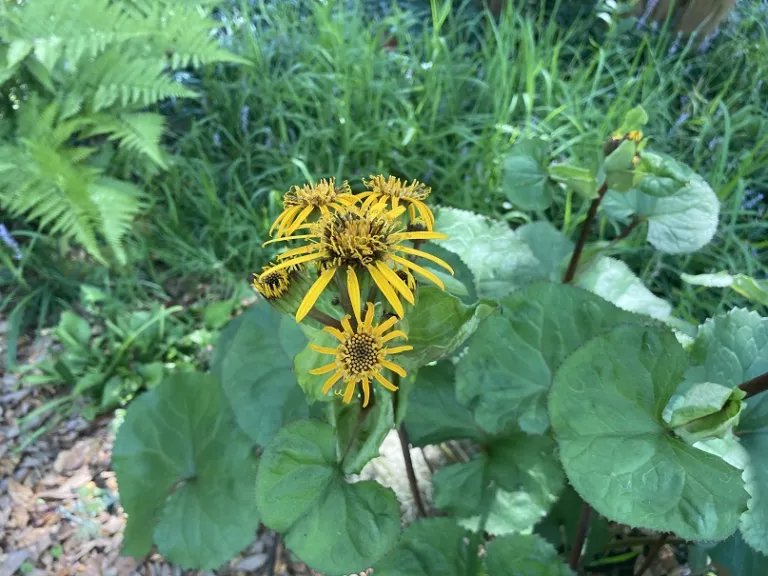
244 118
10 241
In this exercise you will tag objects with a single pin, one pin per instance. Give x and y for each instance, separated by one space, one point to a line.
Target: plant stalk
576 256
324 319
580 537
653 553
402 434
755 386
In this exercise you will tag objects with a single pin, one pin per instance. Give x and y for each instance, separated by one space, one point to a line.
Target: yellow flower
392 190
359 240
272 283
635 136
361 355
299 204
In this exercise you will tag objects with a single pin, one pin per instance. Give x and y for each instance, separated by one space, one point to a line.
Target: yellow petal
349 391
323 349
323 369
397 349
353 287
386 325
331 381
291 262
395 202
419 270
395 281
277 221
347 326
314 292
289 216
286 238
369 310
419 236
425 213
384 382
425 255
299 220
293 252
336 332
394 367
366 391
394 334
387 290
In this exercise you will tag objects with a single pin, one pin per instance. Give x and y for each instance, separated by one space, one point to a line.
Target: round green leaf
633 371
730 349
186 473
433 547
498 259
438 324
738 558
635 119
523 555
550 247
361 432
580 180
506 374
335 527
619 172
525 175
434 414
254 361
510 513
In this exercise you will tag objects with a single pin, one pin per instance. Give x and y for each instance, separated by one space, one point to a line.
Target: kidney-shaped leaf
186 474
433 547
606 408
335 527
254 361
506 374
525 175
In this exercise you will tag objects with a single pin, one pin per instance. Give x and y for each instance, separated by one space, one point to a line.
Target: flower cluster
355 244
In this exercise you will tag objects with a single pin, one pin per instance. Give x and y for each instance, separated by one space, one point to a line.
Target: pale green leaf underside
335 527
630 469
506 374
182 434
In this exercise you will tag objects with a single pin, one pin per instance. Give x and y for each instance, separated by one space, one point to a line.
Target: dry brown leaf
81 453
21 494
68 487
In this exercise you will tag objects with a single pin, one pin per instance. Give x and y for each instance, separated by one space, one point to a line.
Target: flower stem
324 319
756 385
653 553
402 434
576 256
478 537
580 537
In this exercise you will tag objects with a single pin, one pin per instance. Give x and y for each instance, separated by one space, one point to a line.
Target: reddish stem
756 385
581 242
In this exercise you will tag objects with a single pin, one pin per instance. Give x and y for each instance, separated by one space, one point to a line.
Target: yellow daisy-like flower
361 240
392 190
361 355
272 283
299 204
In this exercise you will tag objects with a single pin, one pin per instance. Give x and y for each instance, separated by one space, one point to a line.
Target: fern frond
139 132
118 203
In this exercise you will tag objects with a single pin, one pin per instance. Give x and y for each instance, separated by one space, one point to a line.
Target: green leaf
633 371
334 527
612 279
433 547
561 524
498 259
510 513
662 175
186 474
434 414
550 247
523 467
308 359
523 555
217 314
677 224
730 349
525 176
254 361
704 410
738 558
361 432
73 331
460 270
619 170
580 180
506 374
438 324
755 290
635 119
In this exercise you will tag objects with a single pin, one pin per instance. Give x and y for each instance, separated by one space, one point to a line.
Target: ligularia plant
572 395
